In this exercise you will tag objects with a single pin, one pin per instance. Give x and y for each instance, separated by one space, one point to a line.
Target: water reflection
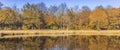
56 47
62 43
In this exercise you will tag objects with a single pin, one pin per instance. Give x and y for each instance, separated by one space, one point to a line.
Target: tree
53 10
42 7
32 16
61 11
114 18
98 19
70 19
8 17
1 5
83 17
51 22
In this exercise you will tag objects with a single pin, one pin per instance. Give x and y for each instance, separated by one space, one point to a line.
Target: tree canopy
39 16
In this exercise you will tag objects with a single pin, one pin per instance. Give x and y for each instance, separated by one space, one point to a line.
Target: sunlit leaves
98 18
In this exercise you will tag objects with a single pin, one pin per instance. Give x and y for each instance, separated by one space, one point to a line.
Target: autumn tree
83 17
98 18
39 16
32 17
70 19
9 18
62 10
51 22
114 17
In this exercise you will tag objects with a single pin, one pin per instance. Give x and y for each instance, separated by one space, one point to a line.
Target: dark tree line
38 16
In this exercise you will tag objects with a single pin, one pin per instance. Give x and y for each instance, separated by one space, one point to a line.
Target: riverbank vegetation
39 16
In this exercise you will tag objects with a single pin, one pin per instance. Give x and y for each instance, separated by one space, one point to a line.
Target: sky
70 3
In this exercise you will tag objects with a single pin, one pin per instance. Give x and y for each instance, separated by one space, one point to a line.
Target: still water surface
62 43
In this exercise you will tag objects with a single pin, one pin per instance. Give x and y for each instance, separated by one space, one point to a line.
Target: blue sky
71 3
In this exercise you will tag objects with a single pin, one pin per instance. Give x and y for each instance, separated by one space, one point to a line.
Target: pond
76 42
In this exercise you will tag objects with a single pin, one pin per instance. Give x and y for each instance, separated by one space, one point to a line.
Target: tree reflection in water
81 42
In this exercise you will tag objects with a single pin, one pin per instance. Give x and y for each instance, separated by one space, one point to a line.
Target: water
62 43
